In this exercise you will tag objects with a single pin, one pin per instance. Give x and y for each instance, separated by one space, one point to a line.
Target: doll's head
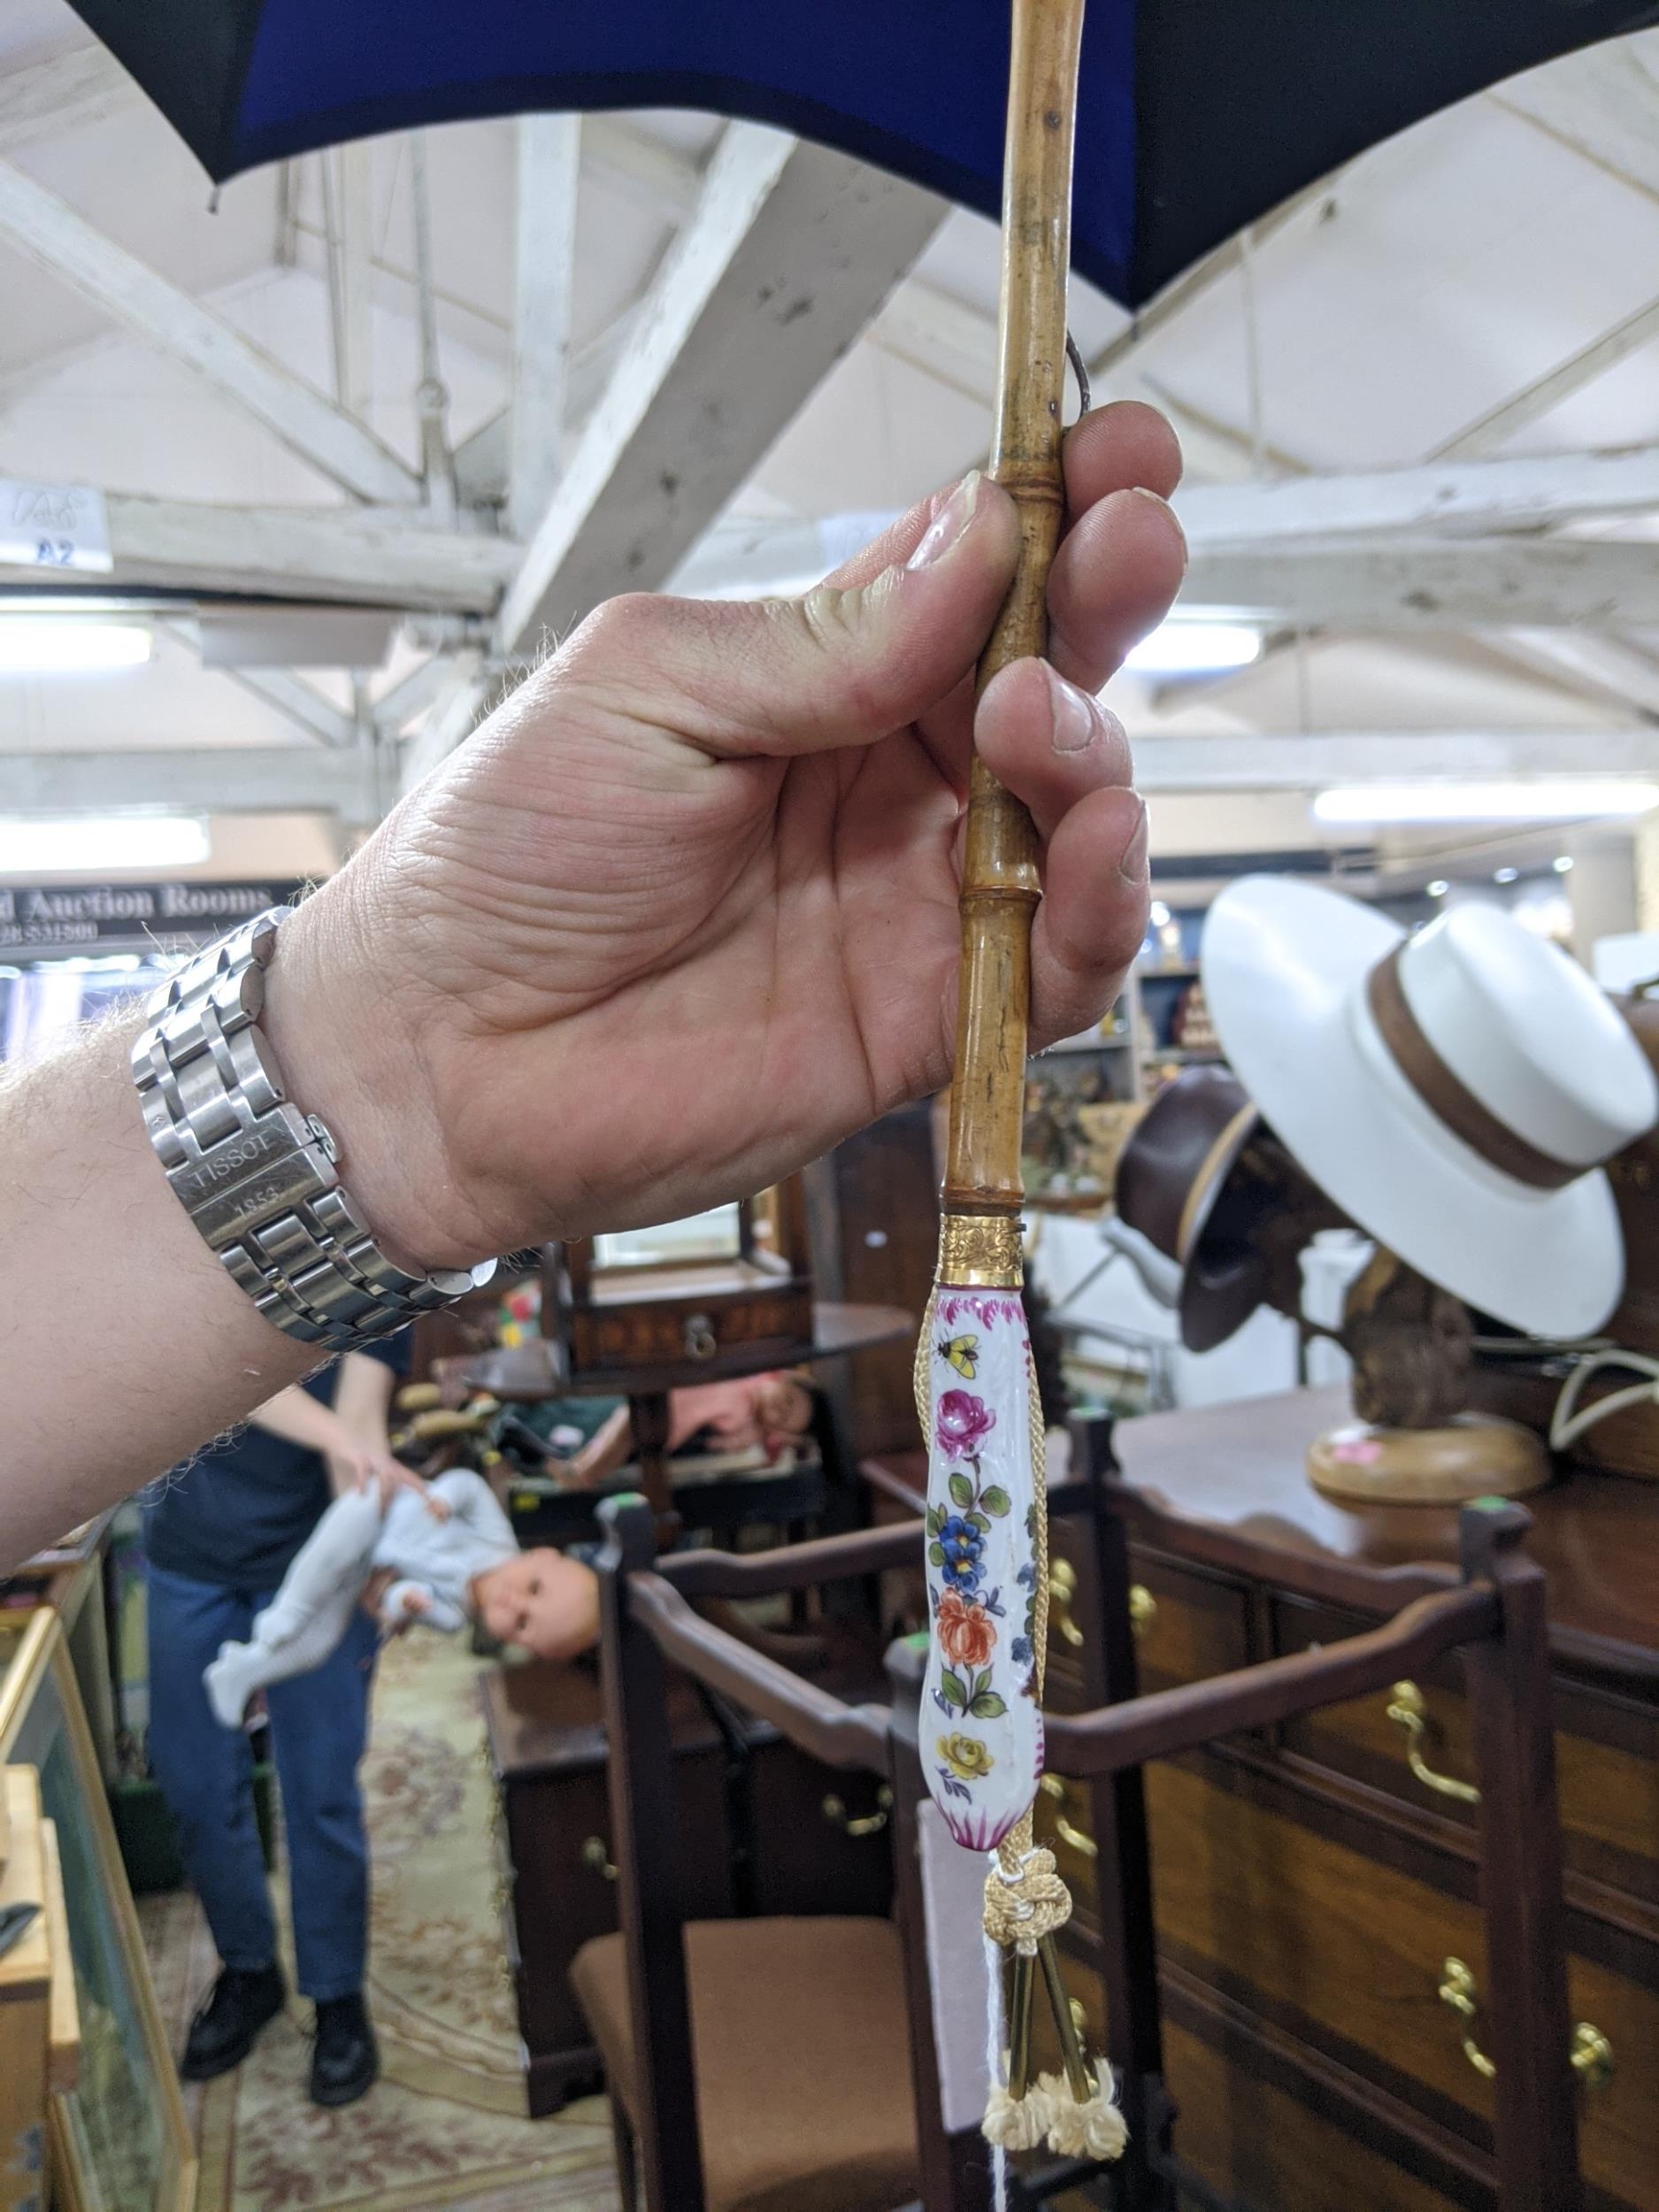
539 1599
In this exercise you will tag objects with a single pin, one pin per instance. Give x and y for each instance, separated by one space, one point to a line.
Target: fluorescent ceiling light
1557 799
1181 648
68 645
95 844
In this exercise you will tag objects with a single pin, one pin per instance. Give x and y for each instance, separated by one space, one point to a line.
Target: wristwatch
258 1176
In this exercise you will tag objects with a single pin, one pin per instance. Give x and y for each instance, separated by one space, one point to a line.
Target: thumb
840 665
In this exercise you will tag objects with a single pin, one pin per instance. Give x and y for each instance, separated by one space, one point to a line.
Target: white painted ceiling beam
1470 496
361 555
791 252
1255 763
1603 104
60 241
1608 667
301 702
544 275
1580 367
240 779
84 86
1479 583
1387 582
451 719
413 695
655 174
347 201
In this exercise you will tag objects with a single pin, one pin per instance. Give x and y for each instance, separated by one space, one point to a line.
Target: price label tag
49 526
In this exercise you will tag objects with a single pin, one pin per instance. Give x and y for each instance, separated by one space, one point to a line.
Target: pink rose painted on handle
962 1422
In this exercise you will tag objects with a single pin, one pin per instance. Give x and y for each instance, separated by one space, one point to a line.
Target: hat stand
1414 1443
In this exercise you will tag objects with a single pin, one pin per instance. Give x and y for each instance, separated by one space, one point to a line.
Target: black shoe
347 2059
239 2004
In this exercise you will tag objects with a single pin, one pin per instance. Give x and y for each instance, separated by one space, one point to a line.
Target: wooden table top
1229 1482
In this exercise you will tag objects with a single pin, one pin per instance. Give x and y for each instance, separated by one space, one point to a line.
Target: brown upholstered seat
802 2060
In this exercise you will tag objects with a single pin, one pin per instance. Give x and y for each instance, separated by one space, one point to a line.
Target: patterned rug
445 2126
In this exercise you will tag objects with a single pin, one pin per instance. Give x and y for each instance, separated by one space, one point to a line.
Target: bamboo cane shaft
1000 885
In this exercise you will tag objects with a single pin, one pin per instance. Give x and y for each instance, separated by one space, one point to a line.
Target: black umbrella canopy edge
1228 125
1228 131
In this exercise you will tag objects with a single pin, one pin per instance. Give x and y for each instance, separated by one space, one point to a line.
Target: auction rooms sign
39 920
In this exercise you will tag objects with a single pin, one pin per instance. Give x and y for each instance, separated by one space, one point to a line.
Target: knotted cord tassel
1094 2129
1017 2124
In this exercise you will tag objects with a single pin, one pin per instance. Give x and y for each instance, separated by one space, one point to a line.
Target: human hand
353 1465
682 914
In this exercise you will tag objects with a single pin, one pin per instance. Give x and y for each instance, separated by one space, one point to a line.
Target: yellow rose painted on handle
966 1756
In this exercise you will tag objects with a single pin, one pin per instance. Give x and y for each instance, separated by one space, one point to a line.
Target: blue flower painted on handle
963 1547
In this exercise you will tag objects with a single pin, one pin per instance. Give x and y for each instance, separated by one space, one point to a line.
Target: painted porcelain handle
981 1732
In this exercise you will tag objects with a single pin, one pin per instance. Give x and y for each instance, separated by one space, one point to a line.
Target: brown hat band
1445 1093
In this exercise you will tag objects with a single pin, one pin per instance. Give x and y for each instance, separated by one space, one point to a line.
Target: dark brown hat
1173 1187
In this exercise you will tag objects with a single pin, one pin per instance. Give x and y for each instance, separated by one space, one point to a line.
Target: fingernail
1139 491
1075 719
950 523
1131 865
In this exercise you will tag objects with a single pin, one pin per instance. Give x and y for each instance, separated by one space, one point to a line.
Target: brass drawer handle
1592 2053
859 1824
1143 1607
1074 1838
1061 1591
596 1855
1408 1711
697 1335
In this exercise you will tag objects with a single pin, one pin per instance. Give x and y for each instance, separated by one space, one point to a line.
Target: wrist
351 1055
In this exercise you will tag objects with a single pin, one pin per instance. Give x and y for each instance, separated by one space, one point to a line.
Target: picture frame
120 2139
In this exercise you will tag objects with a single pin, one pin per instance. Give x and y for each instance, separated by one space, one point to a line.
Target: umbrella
1193 116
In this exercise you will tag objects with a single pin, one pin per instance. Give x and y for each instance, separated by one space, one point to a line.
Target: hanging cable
1567 1423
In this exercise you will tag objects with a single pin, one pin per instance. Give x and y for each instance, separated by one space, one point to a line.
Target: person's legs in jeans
319 1730
206 1772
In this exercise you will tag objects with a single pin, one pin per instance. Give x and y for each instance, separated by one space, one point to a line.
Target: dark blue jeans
318 1728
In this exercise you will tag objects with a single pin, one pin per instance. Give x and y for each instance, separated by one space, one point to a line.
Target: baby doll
443 1557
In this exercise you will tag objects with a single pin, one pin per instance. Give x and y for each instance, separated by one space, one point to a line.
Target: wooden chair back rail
720 1574
1164 1722
1364 1589
839 1735
762 1574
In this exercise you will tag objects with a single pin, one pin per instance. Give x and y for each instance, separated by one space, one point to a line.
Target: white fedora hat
1456 1092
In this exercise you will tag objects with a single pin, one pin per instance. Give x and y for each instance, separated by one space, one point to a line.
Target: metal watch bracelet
257 1175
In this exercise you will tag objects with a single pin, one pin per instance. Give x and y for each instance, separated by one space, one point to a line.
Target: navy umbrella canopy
1195 115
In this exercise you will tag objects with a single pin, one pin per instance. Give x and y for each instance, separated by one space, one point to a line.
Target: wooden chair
759 2065
758 2041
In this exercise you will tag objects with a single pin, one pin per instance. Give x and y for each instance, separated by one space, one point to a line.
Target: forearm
363 1400
294 1414
126 1346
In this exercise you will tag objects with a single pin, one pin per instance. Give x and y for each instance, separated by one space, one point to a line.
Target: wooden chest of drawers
1316 1887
